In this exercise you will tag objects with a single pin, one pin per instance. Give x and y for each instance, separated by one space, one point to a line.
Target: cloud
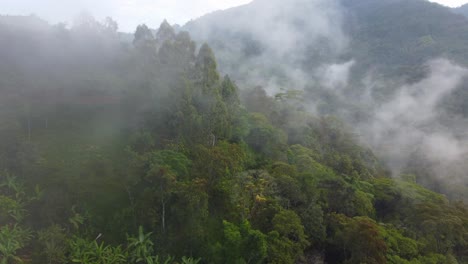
268 43
303 45
335 76
410 122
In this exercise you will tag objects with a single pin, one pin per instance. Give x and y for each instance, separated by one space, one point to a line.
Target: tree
242 244
285 177
267 141
287 241
165 32
207 75
111 25
356 240
143 36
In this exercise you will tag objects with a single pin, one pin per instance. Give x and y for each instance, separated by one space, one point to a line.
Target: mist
413 122
308 131
311 46
275 45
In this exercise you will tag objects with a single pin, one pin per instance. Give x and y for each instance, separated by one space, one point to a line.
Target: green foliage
312 217
242 244
359 238
12 239
8 207
363 203
398 245
141 248
172 160
222 160
149 137
13 206
249 193
264 139
207 68
186 260
287 241
53 242
440 227
76 219
92 252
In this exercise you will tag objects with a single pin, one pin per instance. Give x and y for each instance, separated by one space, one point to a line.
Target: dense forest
141 151
358 60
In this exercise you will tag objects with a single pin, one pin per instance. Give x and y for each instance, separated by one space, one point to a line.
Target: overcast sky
129 13
452 3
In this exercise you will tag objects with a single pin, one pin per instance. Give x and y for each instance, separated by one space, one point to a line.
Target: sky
451 3
129 13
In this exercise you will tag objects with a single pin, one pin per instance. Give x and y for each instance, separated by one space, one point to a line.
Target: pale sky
129 13
451 3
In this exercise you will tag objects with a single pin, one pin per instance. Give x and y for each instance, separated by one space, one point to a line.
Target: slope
359 60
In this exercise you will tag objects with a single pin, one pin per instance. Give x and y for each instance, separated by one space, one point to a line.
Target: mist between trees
118 148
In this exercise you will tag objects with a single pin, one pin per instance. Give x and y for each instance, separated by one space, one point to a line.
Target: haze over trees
142 151
358 60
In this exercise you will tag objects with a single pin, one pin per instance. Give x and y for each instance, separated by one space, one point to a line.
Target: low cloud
410 123
268 43
335 76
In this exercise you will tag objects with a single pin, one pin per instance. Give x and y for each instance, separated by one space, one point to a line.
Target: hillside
381 33
357 59
463 10
143 152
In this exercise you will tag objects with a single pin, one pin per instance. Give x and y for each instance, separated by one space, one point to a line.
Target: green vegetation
143 153
350 58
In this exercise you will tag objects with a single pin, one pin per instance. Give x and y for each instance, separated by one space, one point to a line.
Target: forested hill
393 34
141 152
359 60
461 10
406 32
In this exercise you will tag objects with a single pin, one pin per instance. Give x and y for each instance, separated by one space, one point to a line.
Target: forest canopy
115 151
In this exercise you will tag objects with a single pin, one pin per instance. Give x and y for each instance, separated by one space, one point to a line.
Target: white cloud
411 121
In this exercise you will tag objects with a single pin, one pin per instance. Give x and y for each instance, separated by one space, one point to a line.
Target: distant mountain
31 23
394 35
463 10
